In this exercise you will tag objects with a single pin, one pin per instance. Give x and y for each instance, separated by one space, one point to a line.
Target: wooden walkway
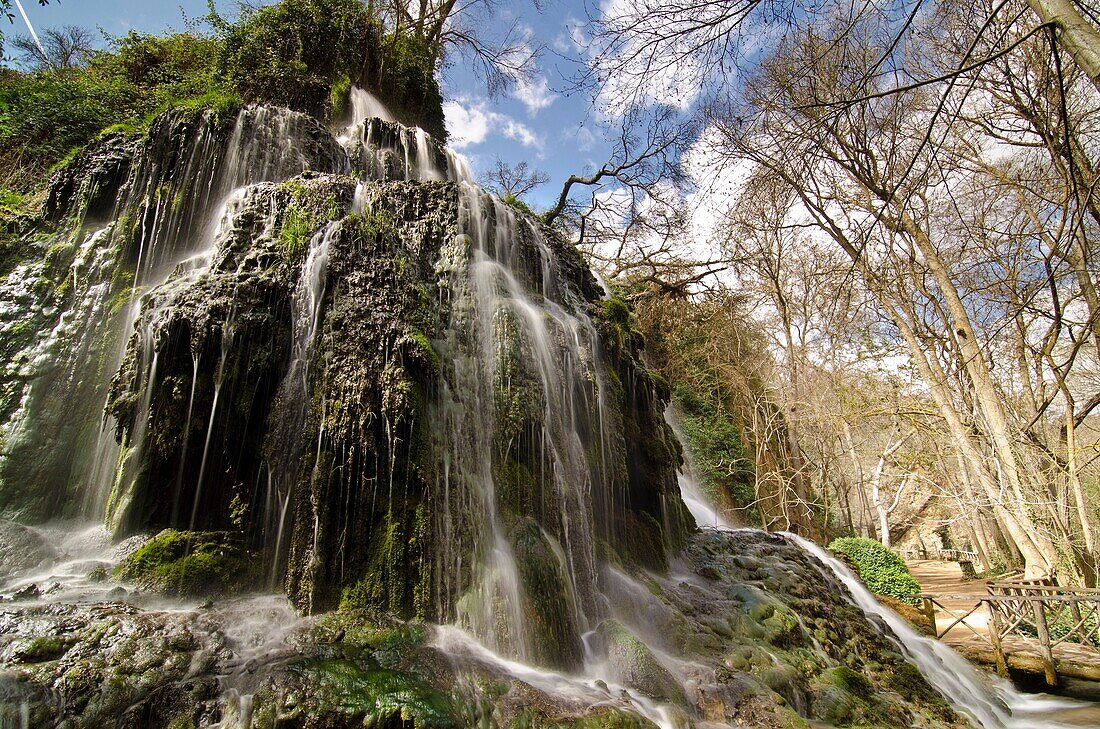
964 608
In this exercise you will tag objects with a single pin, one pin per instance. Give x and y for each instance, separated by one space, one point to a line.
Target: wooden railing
949 555
1031 609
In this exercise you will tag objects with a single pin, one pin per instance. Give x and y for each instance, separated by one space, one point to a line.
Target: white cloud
580 138
467 125
586 140
535 94
514 130
470 123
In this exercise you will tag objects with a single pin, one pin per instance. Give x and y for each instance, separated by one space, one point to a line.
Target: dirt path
946 578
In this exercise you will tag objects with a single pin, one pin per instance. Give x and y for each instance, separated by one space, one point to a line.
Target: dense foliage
717 451
736 436
883 571
304 54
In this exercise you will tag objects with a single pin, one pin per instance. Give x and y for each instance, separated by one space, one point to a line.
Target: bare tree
6 11
513 182
451 29
67 47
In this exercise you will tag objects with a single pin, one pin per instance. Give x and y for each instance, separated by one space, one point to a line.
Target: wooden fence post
995 638
930 613
1038 610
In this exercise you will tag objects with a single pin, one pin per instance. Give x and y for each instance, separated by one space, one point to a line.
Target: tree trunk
1074 33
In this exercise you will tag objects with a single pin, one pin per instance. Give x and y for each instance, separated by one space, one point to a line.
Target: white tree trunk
1077 35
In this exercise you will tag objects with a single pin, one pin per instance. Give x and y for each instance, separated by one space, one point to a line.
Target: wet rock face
22 550
781 637
115 221
740 649
392 389
253 663
286 383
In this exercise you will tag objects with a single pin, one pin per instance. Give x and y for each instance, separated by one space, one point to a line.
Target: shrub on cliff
47 114
304 54
293 52
882 571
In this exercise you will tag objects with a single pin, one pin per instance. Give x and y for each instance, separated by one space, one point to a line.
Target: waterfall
520 358
691 491
182 177
394 388
990 701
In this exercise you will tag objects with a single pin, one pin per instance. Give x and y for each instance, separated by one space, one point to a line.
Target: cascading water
403 395
517 361
705 514
186 170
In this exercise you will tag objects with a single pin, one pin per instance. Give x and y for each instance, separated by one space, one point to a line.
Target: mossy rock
190 563
391 642
370 696
38 650
849 680
635 665
601 718
833 705
546 602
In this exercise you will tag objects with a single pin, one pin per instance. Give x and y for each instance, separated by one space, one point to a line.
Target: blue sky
558 133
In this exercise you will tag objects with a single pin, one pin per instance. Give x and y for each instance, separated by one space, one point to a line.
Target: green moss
516 488
514 202
310 207
907 680
397 576
338 97
389 641
635 665
547 607
659 381
38 650
713 438
599 718
379 227
224 104
880 569
374 696
297 228
424 350
781 627
616 311
851 681
189 563
642 542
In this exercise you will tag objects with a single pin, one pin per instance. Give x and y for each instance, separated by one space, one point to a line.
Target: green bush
46 115
304 54
882 571
294 52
